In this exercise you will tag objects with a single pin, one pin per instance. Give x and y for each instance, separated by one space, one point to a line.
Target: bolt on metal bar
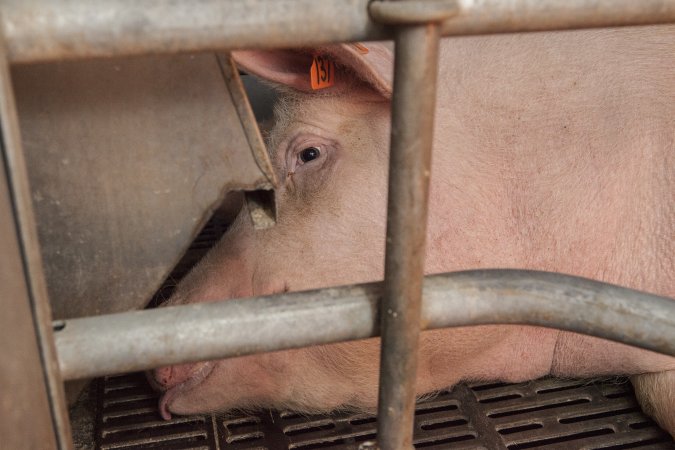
17 178
138 340
413 104
42 30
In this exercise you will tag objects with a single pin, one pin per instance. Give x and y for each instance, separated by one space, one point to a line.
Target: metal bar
41 30
262 202
248 123
413 103
49 30
21 377
138 340
35 285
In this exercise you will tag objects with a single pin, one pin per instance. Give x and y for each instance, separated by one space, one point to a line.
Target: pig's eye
309 154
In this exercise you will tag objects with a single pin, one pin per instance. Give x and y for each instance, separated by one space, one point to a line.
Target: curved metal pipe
138 340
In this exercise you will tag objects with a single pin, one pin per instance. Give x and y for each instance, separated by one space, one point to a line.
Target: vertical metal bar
25 417
415 72
36 288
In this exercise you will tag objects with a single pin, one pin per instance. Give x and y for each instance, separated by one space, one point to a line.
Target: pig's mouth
191 382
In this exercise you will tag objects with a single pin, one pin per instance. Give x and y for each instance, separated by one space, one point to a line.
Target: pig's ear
371 63
284 67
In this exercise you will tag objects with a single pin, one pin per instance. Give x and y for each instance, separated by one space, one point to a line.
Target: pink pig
552 151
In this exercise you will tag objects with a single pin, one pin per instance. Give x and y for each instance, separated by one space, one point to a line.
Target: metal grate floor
548 413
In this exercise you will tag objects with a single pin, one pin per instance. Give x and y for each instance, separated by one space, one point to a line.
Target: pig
552 151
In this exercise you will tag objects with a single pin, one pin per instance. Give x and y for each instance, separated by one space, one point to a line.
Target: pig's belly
513 353
510 353
586 223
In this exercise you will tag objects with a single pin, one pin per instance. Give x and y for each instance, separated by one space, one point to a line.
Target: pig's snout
175 380
165 378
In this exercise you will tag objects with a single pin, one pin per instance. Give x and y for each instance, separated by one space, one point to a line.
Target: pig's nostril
163 376
171 376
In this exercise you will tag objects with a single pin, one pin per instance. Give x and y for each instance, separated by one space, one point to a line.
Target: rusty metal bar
31 273
138 340
41 30
413 103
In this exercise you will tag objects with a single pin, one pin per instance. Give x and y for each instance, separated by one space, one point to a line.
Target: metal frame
41 30
21 375
35 289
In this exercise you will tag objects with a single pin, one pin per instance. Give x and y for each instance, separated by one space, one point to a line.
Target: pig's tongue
195 379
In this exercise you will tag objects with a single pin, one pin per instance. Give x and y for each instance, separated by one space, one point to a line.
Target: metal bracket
412 12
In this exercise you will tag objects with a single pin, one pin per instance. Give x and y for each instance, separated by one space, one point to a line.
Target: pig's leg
656 394
585 356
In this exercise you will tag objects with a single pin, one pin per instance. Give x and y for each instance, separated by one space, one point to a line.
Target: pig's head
329 148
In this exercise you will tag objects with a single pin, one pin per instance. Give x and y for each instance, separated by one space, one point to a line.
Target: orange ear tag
322 73
361 48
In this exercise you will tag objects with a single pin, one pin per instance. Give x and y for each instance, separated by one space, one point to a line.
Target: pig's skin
552 151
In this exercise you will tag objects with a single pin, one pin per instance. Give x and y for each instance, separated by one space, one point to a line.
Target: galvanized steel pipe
41 30
125 342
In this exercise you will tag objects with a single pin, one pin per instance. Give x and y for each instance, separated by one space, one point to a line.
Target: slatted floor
549 414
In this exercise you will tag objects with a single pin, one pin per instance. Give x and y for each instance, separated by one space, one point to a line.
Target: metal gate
42 30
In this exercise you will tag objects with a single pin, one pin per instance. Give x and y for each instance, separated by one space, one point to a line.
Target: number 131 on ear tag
322 73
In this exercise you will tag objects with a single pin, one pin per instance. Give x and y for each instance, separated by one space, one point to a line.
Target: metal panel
127 158
25 417
139 340
40 30
32 406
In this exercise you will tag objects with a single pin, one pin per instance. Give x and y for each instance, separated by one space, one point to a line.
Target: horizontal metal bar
41 30
140 340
